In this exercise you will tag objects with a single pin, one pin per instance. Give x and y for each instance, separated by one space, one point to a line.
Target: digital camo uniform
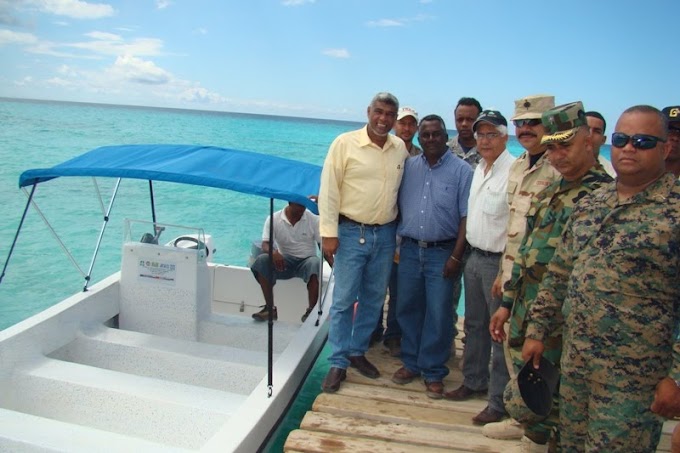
472 157
525 182
615 278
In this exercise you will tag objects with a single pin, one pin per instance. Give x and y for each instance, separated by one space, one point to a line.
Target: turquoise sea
38 134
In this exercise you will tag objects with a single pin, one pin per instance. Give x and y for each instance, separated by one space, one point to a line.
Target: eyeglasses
429 135
489 135
639 141
530 122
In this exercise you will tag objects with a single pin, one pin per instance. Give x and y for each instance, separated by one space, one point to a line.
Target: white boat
163 355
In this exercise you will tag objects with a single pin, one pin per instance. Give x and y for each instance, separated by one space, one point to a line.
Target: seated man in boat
296 233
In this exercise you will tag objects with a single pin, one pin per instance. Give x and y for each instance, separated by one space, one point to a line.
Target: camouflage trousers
598 417
540 431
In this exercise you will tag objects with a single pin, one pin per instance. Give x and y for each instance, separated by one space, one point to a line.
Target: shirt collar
365 140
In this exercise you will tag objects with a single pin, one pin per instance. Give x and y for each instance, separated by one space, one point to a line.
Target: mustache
527 134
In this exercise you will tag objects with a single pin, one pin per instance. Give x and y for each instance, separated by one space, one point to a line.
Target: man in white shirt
296 239
598 126
486 233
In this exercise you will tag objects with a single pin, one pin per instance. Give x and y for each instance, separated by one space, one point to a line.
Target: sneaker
306 315
527 445
509 429
263 315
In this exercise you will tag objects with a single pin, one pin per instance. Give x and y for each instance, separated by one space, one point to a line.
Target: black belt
345 219
425 244
484 252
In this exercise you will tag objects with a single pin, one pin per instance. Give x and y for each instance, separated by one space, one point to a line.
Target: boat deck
368 415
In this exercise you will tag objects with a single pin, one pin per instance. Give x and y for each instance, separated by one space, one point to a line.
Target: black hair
470 102
599 116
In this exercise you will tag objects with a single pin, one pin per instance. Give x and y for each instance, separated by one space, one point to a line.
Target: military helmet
528 396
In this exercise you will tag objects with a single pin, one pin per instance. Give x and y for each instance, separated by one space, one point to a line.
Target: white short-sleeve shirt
299 240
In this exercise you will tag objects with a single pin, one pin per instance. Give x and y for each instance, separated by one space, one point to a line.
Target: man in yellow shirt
358 208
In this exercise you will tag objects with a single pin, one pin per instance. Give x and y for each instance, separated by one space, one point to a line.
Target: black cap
490 116
672 113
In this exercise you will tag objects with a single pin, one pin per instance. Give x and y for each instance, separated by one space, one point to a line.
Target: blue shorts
302 268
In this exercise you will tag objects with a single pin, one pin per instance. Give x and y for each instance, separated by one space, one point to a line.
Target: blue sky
327 58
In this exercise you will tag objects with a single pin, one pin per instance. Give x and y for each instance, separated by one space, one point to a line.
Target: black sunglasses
639 141
530 122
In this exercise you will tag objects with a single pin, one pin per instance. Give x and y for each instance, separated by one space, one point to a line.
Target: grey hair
653 110
387 98
503 130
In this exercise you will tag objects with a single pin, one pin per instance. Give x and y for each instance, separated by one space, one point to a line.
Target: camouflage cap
672 113
562 122
532 107
528 397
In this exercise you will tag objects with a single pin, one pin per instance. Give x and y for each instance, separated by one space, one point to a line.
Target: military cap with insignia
562 122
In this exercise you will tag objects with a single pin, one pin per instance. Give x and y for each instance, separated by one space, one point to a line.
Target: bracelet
455 259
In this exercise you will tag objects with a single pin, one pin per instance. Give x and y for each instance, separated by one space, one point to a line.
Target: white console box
164 290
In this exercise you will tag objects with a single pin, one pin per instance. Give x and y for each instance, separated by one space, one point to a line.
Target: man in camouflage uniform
464 144
570 151
614 286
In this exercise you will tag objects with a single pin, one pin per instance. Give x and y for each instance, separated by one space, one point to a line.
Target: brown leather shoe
434 389
335 376
393 345
488 415
404 376
364 366
463 393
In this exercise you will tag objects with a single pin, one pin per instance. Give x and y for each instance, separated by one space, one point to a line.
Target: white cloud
201 95
136 70
296 2
59 82
336 53
103 36
162 4
12 37
385 23
109 44
201 31
25 81
76 9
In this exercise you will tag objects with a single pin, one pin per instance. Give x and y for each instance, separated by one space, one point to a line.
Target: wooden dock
376 415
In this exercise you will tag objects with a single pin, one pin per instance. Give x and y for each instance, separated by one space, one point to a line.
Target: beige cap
532 107
407 111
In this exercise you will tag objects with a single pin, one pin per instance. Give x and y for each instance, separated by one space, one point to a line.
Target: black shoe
263 315
335 376
364 366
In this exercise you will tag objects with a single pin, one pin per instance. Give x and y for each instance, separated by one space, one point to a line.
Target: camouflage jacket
615 277
472 157
523 184
546 218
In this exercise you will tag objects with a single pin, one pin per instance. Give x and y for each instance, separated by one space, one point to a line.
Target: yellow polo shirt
360 180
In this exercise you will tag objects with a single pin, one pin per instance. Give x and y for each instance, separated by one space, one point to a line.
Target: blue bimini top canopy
241 171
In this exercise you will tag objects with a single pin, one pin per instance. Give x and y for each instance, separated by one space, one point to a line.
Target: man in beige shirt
358 208
529 174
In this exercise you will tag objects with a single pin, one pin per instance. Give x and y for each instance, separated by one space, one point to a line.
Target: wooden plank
417 435
396 413
411 398
313 441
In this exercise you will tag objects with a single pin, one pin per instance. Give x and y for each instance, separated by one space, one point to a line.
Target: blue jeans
392 330
361 273
425 310
480 273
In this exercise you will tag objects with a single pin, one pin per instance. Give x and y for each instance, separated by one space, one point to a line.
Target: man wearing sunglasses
614 278
673 160
569 147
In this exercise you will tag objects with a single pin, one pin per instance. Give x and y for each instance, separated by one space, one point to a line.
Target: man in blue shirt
433 205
